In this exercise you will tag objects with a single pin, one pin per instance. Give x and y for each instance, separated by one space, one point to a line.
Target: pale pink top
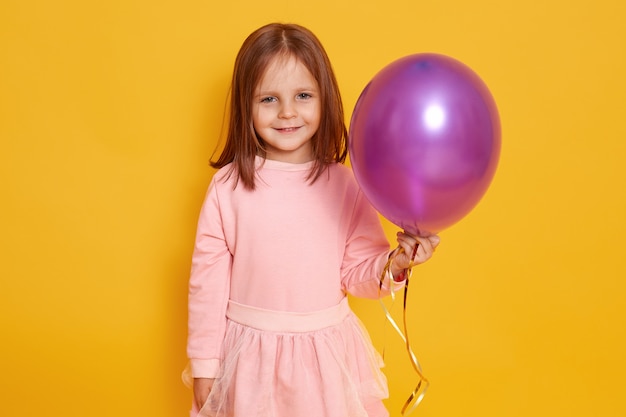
287 246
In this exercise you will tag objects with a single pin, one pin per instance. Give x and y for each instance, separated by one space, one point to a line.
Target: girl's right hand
201 389
415 250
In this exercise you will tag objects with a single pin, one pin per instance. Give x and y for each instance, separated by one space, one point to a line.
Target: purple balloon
425 142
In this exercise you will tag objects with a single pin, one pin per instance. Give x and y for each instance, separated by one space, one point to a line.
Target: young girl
284 234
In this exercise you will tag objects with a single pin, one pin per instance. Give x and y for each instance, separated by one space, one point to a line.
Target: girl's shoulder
342 175
341 171
225 176
224 171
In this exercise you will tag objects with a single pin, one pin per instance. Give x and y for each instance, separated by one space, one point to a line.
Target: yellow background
109 112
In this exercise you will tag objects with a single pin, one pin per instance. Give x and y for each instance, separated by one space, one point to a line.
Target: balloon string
419 392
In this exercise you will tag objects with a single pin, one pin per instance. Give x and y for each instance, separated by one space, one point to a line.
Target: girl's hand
415 250
201 389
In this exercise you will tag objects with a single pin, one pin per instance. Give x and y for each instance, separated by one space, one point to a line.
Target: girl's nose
287 110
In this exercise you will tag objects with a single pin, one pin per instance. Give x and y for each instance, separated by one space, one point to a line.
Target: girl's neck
288 158
280 164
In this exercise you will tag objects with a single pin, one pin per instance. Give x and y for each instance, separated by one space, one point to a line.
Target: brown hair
329 143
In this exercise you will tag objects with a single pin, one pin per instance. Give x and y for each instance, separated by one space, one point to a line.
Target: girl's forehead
282 61
283 66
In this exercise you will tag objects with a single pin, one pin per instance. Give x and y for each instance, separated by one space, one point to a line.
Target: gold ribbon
418 393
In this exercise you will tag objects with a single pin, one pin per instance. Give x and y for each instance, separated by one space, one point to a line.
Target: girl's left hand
415 250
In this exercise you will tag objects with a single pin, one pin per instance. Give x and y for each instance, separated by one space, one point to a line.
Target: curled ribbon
418 393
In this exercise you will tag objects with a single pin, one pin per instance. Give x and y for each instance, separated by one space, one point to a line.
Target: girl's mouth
288 129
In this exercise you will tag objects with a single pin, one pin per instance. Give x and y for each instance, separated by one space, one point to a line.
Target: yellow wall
110 110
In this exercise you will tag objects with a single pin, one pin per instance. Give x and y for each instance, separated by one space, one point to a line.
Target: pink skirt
281 364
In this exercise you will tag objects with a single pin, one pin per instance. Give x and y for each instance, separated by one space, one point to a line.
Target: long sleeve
366 253
209 287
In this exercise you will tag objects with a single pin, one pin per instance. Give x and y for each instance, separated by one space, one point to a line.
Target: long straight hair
329 144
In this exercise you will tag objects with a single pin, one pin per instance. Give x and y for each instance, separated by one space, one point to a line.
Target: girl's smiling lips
287 129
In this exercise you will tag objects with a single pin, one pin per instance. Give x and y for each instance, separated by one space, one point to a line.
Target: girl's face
286 110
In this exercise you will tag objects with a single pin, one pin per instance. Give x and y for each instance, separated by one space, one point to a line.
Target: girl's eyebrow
273 92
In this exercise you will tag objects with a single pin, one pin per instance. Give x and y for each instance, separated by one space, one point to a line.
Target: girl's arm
208 290
367 253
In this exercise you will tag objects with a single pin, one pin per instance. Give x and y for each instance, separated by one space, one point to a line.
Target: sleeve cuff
205 368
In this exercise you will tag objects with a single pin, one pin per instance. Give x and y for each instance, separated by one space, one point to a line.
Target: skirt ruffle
331 371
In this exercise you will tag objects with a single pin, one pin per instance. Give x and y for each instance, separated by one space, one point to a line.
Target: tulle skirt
279 364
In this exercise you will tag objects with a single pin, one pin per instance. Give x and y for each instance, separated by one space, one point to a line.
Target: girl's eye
304 96
268 99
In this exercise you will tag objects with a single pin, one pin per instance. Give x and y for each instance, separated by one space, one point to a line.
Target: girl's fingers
425 244
407 240
434 240
410 247
417 249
